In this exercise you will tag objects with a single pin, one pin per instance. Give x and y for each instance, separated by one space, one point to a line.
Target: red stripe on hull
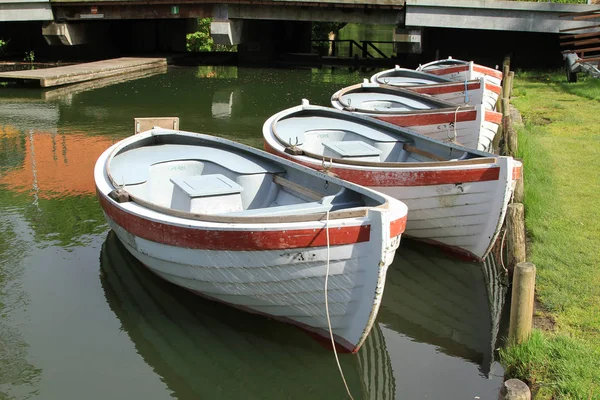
487 71
446 88
493 88
447 70
232 240
429 118
417 178
493 116
517 173
397 227
390 177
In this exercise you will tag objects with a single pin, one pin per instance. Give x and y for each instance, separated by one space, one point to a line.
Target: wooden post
499 101
515 243
510 148
521 308
505 123
519 194
505 73
511 78
514 389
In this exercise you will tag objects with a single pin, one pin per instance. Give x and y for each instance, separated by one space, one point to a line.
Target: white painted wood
370 101
285 283
467 75
466 216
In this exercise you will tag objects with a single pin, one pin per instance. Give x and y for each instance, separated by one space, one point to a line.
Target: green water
81 319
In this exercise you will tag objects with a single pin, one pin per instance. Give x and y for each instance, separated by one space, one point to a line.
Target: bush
202 41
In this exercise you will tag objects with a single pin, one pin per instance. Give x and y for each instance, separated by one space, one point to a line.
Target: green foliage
557 366
201 41
29 56
3 44
558 145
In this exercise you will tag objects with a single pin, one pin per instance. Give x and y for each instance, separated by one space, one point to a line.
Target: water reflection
19 378
207 350
49 164
202 348
448 303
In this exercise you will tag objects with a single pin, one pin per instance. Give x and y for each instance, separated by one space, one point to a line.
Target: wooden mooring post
521 308
523 282
515 226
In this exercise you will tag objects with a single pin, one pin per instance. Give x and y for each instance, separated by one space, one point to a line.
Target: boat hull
461 208
276 269
471 128
472 93
463 72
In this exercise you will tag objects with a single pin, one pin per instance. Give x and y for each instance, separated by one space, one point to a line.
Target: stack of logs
523 273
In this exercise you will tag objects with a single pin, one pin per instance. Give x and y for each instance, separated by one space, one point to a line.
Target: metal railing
363 48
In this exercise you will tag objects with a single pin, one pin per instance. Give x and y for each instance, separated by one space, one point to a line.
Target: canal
81 319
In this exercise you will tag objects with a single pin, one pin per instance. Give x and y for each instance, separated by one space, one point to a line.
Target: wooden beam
575 14
423 153
581 42
294 187
580 28
585 17
589 59
580 35
587 49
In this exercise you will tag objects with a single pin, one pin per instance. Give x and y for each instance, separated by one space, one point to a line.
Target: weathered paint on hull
471 128
283 284
461 208
465 72
477 92
272 268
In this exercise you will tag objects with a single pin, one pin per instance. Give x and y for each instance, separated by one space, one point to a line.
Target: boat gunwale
349 213
426 75
445 106
487 159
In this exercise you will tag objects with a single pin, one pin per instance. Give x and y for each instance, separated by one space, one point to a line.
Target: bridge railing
365 49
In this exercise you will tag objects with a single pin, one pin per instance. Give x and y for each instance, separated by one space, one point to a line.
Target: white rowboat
243 227
470 126
457 197
473 92
459 70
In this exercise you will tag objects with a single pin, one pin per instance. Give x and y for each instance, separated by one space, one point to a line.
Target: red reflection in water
56 165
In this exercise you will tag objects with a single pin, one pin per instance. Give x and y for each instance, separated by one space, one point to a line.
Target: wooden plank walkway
48 77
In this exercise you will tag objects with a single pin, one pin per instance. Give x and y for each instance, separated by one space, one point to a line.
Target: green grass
560 148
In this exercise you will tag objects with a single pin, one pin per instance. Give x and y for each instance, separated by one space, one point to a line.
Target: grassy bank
560 147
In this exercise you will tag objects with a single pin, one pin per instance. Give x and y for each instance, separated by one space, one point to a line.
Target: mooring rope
454 139
337 360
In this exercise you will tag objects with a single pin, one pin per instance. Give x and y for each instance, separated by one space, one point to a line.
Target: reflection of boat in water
452 304
202 349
